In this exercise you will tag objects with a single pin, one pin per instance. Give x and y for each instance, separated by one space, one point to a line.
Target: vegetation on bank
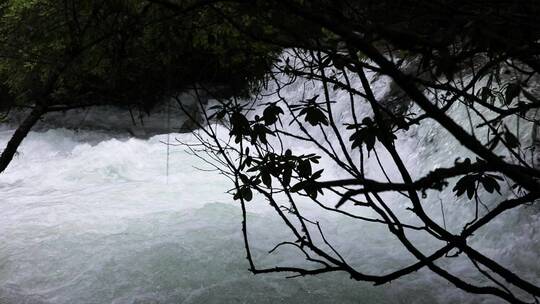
58 55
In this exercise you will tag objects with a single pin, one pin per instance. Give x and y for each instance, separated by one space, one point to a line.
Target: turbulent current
87 218
93 217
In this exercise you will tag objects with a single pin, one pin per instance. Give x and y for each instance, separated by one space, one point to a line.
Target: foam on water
90 218
86 218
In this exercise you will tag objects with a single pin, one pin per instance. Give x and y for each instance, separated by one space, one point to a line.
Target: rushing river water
86 218
92 217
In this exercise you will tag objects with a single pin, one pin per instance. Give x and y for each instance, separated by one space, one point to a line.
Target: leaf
490 184
461 186
314 116
512 91
304 168
466 184
511 139
287 173
240 126
271 114
266 178
315 159
317 174
298 186
247 194
470 191
366 136
260 131
244 179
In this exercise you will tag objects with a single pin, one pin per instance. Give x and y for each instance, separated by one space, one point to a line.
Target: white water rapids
91 219
87 217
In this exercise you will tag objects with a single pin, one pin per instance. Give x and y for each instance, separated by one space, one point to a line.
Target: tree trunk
19 135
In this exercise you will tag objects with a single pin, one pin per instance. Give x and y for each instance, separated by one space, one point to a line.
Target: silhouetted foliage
481 57
439 55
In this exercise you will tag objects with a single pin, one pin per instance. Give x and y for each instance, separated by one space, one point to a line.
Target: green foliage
121 52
